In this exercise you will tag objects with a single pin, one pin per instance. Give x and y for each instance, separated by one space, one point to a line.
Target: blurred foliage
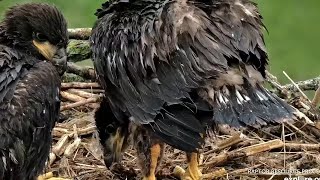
79 13
292 40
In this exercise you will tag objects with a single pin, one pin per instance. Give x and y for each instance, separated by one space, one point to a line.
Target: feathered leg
155 155
150 151
193 172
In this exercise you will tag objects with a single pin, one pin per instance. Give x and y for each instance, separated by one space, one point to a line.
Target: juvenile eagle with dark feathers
33 39
172 69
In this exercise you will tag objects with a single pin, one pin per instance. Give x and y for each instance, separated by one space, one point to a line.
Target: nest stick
79 103
226 143
307 85
302 133
87 130
81 93
302 93
75 98
88 166
231 141
215 174
80 85
274 81
247 151
95 91
316 98
79 33
59 147
71 97
302 147
71 148
265 146
85 72
58 131
52 158
75 132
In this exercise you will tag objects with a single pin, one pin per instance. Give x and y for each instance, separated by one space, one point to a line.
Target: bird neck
3 39
10 40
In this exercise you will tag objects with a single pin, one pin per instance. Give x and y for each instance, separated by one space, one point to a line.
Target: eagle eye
40 37
110 129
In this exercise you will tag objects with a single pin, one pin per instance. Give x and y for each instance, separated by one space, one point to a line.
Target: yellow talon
149 178
192 173
178 171
49 176
187 174
45 176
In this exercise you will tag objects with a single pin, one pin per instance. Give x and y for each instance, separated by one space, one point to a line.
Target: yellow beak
46 49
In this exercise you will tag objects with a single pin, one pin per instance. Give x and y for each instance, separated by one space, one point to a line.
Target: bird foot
149 178
49 176
188 174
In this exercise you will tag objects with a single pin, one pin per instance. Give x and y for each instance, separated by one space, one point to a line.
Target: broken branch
78 50
307 85
316 99
80 103
75 98
81 93
85 72
80 85
226 143
243 152
79 33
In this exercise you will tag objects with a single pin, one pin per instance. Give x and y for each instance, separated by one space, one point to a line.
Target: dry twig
80 85
247 151
85 72
307 85
79 33
79 103
81 93
316 99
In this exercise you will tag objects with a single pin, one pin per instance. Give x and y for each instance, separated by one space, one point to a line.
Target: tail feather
249 106
178 127
181 125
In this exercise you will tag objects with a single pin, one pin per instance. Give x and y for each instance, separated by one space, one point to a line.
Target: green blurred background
294 31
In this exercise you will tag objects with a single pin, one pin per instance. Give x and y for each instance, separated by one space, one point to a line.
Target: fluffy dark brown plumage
176 68
33 39
21 22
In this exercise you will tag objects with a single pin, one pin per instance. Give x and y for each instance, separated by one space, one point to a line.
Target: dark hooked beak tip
108 161
60 61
